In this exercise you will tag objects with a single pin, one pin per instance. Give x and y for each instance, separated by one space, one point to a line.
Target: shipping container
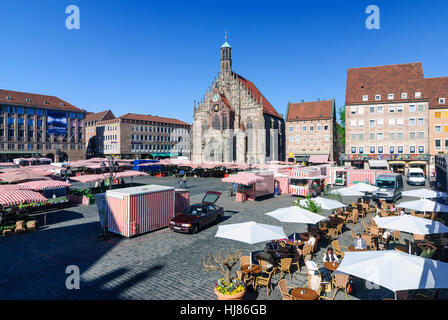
137 210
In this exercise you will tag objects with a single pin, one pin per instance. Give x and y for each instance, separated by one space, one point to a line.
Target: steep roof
267 107
437 88
35 100
144 117
313 110
383 80
100 116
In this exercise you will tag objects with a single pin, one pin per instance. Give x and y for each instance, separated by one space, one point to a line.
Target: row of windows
391 96
110 137
311 128
438 144
310 138
392 109
392 136
392 122
392 149
35 111
29 146
159 129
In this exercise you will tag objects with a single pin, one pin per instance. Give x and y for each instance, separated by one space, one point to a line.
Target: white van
416 177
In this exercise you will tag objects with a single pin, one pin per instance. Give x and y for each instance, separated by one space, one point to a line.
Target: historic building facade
234 122
311 131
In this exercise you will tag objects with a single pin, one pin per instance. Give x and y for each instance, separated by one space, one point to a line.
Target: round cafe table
332 266
297 243
304 294
254 270
352 248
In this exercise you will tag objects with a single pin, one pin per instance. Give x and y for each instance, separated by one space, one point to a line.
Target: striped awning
244 178
16 197
43 185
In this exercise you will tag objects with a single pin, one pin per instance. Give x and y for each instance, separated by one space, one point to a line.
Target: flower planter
237 296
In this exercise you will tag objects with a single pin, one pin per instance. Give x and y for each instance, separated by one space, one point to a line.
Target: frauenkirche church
234 122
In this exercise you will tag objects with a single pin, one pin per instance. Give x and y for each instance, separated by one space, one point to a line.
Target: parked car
198 216
416 177
390 187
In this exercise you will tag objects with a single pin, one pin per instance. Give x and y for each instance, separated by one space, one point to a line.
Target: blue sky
158 57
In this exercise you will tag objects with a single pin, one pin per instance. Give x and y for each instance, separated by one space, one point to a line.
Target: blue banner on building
56 122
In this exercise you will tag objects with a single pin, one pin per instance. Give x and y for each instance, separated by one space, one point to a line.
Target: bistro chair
248 281
296 258
366 227
339 228
372 222
307 250
263 264
285 266
337 248
264 280
284 290
340 282
353 234
354 217
412 212
397 236
419 237
244 261
315 282
330 235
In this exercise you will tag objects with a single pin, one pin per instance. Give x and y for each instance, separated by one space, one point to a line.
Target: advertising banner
56 122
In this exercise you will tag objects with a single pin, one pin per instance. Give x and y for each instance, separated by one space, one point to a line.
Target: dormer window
377 97
9 98
45 102
441 100
390 96
365 98
62 104
404 95
418 95
28 100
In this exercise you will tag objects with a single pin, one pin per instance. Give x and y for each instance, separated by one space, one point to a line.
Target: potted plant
310 205
226 288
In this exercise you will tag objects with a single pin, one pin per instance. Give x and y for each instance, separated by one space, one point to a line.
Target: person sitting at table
329 256
428 250
272 246
381 246
359 242
313 269
312 240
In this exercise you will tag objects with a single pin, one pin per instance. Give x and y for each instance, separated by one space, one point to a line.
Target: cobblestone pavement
157 265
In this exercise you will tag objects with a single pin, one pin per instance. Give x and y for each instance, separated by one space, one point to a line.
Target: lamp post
113 170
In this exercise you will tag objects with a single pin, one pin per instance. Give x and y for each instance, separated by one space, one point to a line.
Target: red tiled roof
313 110
99 116
437 88
267 107
382 80
36 100
144 117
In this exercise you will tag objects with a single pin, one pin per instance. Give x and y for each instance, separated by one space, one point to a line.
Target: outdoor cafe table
332 266
251 270
304 294
297 243
305 236
352 248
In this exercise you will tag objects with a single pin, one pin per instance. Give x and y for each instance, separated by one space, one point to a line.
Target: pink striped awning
245 178
127 174
318 158
43 185
15 197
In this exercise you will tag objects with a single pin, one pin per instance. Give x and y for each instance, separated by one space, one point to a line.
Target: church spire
226 57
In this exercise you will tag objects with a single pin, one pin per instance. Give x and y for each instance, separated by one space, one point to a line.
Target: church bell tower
226 58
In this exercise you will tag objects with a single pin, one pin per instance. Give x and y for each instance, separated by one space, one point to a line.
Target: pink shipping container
283 183
367 176
331 173
137 210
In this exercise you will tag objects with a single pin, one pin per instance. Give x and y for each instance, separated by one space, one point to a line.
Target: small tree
222 263
310 205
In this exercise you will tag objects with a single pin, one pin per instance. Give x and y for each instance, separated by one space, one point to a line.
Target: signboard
56 122
389 157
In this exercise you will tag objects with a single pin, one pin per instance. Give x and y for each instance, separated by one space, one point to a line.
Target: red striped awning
245 178
16 197
43 185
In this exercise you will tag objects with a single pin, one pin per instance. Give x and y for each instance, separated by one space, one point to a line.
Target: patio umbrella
347 192
363 187
423 205
250 232
395 270
324 203
425 193
295 214
411 224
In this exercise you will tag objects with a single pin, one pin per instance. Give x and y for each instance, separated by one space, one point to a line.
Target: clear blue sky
156 57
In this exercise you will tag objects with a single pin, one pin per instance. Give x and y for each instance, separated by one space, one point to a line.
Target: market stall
252 185
307 181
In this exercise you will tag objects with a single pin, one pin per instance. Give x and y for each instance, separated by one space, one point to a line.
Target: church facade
234 122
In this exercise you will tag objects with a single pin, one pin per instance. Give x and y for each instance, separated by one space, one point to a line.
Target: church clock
216 97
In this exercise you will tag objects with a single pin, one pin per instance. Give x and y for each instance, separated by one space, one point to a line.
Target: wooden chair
397 236
433 216
284 290
330 235
353 234
296 258
263 264
244 261
307 250
315 282
264 280
412 213
374 231
285 266
337 248
339 228
353 217
248 281
366 227
369 241
340 282
419 237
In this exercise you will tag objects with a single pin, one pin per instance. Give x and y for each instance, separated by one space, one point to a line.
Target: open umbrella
324 203
295 214
423 205
395 270
347 192
363 187
411 224
425 193
250 232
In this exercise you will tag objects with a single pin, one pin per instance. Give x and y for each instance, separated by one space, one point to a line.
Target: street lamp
113 169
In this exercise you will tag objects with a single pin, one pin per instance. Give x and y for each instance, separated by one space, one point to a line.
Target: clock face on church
216 97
